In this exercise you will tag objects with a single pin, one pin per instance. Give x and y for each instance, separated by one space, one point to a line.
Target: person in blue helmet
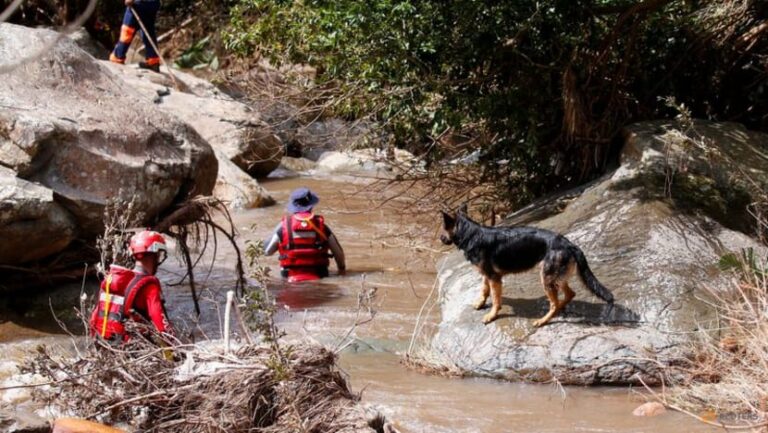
304 241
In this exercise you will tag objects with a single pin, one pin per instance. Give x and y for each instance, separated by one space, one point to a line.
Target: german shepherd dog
497 251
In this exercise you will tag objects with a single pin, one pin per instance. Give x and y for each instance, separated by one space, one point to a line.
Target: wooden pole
152 42
227 314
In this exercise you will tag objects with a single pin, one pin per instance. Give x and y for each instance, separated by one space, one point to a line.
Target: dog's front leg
496 299
484 292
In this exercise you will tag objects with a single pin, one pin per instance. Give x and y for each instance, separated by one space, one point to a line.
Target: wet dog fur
497 251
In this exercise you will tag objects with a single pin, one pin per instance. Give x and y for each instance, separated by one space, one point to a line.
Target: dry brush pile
248 390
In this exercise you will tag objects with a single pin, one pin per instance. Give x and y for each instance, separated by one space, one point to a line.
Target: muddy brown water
379 243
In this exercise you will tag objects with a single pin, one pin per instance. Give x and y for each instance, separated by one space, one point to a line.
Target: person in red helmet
132 294
304 241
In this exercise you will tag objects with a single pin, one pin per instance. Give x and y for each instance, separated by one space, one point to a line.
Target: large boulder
655 253
71 125
237 189
32 224
231 127
84 40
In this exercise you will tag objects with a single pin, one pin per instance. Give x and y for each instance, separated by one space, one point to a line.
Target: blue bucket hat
302 200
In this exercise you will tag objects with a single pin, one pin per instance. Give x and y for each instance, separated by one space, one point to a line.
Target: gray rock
231 127
706 176
71 125
285 119
298 165
16 420
237 189
32 224
89 45
654 256
363 161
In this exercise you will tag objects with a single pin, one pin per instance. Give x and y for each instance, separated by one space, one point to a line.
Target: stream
394 256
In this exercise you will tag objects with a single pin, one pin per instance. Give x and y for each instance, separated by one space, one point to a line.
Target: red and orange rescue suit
303 245
127 295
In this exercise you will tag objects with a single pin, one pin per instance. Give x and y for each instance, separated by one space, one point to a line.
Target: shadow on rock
581 312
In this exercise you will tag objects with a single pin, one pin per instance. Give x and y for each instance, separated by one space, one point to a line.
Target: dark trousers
147 11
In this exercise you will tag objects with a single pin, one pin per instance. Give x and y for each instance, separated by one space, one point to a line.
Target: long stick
152 42
227 314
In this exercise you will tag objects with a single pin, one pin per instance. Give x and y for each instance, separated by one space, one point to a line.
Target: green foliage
259 308
746 264
198 56
259 312
541 86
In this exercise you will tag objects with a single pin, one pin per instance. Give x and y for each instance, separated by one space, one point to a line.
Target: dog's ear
463 209
448 221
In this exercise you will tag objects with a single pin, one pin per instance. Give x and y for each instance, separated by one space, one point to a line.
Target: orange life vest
115 304
304 242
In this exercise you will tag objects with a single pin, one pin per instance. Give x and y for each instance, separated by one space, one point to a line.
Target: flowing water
393 256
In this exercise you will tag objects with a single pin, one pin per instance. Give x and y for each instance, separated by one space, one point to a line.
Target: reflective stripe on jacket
126 294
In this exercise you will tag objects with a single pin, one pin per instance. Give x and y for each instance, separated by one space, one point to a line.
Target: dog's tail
589 278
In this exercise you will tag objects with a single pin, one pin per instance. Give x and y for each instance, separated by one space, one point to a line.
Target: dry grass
726 377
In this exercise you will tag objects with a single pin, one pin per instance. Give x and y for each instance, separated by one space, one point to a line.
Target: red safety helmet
147 242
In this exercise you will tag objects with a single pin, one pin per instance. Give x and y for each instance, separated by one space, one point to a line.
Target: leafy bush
198 56
540 88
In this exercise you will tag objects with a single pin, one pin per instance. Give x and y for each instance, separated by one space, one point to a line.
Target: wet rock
72 425
653 255
231 127
71 125
32 224
652 408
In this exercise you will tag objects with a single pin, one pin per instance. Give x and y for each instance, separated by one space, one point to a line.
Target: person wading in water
132 294
304 241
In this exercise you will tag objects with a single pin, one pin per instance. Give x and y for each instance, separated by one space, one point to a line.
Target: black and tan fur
497 251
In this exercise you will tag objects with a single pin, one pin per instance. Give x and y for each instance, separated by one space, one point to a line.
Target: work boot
114 59
145 65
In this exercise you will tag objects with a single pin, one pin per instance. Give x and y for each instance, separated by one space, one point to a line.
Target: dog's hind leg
554 305
495 298
550 281
484 292
568 293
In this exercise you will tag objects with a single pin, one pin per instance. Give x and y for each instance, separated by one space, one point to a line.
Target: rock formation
73 136
655 250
